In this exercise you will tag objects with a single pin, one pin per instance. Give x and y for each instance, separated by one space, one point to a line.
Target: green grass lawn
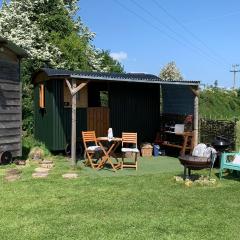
147 204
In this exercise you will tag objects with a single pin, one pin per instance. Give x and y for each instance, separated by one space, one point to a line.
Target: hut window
42 96
98 94
104 98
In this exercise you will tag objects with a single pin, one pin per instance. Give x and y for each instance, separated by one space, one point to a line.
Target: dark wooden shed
10 98
125 102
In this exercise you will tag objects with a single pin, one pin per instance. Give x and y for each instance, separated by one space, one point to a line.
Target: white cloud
119 56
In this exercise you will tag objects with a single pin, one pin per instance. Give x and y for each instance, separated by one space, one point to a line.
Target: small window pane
41 96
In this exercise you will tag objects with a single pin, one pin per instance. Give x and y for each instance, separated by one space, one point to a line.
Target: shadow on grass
231 175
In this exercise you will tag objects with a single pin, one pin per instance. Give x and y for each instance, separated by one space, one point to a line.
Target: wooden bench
226 164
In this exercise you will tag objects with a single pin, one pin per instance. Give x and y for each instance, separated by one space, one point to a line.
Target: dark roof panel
13 47
128 77
102 75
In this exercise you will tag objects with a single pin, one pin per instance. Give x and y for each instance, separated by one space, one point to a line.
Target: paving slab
42 170
11 178
40 174
70 175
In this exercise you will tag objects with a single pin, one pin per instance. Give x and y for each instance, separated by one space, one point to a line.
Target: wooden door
98 120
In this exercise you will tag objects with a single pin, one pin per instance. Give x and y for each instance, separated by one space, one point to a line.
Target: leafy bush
29 143
219 103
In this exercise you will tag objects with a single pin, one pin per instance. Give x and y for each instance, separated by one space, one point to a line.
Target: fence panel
209 129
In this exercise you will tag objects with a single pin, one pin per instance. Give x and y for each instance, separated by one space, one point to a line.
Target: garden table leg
106 158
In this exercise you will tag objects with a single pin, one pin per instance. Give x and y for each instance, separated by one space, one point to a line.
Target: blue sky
202 37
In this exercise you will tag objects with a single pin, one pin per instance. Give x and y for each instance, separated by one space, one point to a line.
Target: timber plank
10 147
10 139
10 102
10 110
10 117
10 87
7 124
2 81
11 94
9 132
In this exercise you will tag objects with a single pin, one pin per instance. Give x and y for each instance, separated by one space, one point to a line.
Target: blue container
156 150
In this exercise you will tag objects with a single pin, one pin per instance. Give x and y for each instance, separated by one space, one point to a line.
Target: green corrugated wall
53 125
177 99
135 107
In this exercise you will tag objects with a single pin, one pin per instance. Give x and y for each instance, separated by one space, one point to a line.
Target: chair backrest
128 137
89 136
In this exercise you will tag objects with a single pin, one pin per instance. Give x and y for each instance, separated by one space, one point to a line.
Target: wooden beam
195 91
73 90
74 125
78 88
69 85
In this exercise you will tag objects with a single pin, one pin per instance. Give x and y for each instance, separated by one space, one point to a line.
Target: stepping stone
13 171
46 164
11 178
47 161
70 175
40 174
20 162
12 174
41 170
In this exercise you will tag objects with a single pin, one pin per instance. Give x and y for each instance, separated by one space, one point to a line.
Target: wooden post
73 90
74 125
196 93
196 119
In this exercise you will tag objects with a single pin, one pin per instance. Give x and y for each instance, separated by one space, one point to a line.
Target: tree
19 24
170 72
51 34
107 60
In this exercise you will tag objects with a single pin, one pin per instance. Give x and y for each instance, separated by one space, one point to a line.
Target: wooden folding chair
91 147
129 139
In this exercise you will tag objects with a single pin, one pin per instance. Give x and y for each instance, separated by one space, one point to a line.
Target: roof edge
125 77
19 51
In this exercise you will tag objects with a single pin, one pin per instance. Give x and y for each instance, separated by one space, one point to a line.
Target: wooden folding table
115 142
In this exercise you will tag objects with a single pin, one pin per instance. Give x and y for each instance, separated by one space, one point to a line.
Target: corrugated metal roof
122 77
13 47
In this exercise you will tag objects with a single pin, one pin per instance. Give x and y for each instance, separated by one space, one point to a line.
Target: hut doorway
98 108
98 120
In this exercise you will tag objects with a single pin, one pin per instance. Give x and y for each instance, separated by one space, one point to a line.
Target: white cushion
94 148
236 160
130 150
198 151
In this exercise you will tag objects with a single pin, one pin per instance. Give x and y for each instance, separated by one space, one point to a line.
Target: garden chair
229 160
91 147
129 139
